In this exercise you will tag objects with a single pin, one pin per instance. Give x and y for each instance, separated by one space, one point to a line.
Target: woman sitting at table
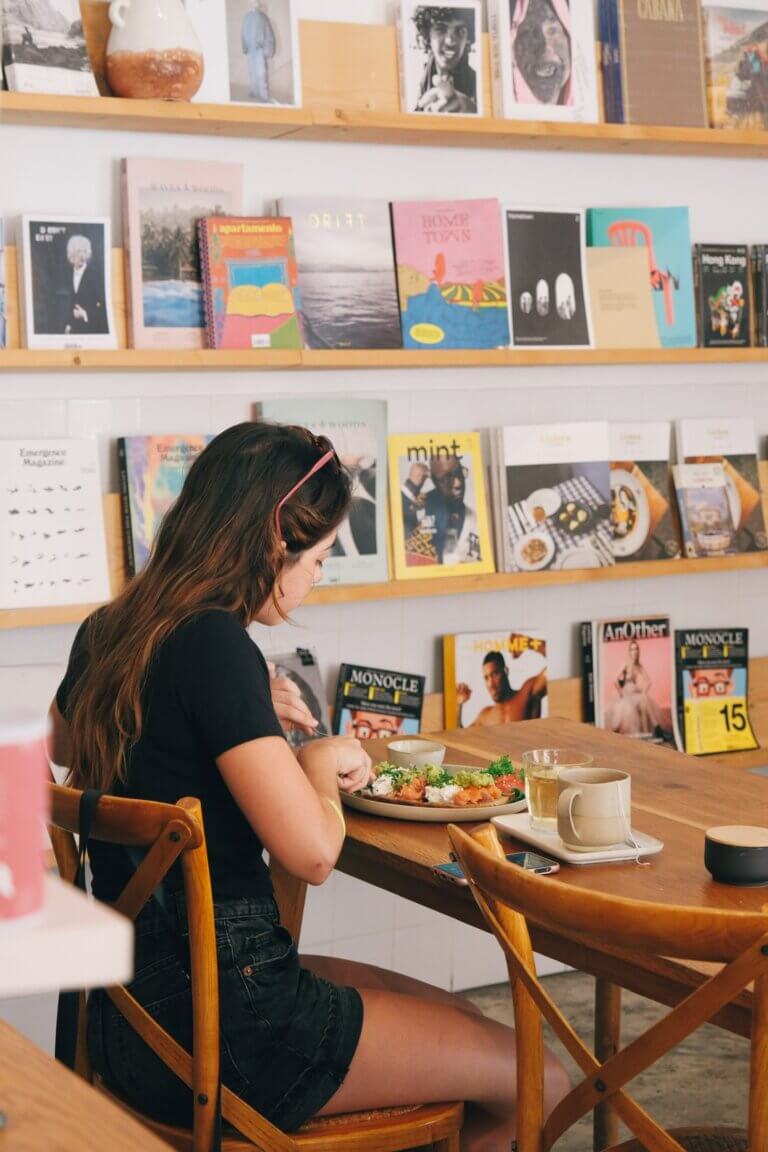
166 696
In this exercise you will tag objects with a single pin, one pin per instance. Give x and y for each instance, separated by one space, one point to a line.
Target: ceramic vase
153 51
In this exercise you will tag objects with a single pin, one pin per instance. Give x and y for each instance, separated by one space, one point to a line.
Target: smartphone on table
531 861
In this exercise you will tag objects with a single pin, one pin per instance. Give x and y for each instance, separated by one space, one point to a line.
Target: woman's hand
290 709
344 755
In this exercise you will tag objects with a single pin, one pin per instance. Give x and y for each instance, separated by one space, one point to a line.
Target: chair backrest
510 898
167 833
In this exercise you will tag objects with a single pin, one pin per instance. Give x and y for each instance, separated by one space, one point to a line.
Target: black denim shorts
287 1036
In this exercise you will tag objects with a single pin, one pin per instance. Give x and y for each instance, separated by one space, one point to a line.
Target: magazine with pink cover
162 202
634 693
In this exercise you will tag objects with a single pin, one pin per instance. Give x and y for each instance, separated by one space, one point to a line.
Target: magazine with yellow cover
438 504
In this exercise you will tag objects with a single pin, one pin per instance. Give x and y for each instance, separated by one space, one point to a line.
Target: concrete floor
704 1081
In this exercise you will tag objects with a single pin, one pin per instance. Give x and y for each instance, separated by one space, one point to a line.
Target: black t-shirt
207 690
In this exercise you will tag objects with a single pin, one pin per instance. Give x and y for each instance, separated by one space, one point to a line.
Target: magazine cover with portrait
441 58
635 676
376 704
43 48
543 60
67 296
548 299
251 51
736 39
494 677
301 667
438 505
711 690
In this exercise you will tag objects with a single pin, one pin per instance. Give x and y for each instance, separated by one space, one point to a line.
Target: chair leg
450 1144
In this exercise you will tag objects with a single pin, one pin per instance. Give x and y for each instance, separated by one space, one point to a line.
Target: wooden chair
510 897
175 831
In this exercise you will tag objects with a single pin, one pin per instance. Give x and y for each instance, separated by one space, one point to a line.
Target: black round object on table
737 854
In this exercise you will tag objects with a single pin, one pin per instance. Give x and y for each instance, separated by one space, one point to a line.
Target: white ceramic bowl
415 753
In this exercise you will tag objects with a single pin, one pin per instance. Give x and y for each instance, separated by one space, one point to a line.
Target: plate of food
542 503
445 793
574 516
534 550
630 513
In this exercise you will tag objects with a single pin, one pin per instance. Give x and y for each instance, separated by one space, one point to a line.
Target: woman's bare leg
360 976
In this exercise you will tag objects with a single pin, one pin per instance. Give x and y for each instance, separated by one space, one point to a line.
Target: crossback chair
166 833
510 898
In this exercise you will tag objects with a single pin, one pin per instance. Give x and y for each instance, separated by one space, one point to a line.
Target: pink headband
315 468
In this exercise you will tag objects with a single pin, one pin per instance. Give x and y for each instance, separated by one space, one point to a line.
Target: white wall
76 172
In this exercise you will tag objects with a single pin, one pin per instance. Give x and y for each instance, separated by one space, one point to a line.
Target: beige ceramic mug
593 808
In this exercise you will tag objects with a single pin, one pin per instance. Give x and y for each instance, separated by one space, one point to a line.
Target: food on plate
499 783
573 516
534 551
623 510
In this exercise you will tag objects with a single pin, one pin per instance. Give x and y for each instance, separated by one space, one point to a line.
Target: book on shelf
358 431
721 278
759 282
665 235
375 704
250 282
494 677
250 52
346 268
44 49
629 665
440 57
736 48
3 292
162 202
543 60
712 691
548 295
152 471
552 486
621 298
66 282
54 548
643 521
450 273
732 443
301 667
438 505
706 519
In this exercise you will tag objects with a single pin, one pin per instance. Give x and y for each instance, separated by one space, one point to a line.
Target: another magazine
162 202
736 38
346 268
665 234
44 49
374 704
152 471
621 298
358 431
548 296
66 282
438 505
543 60
658 66
450 273
706 518
633 677
301 667
642 508
51 524
721 275
441 57
759 281
494 677
250 282
3 293
712 691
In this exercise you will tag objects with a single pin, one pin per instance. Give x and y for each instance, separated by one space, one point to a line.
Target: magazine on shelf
250 51
642 504
162 202
66 282
543 60
3 292
721 276
731 442
44 49
301 667
548 296
374 704
152 471
358 431
346 268
633 675
450 273
442 69
621 298
553 486
250 282
759 283
712 691
706 517
659 62
438 505
665 234
736 43
494 677
52 524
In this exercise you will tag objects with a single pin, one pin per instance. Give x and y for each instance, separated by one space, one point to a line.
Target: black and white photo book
441 58
44 49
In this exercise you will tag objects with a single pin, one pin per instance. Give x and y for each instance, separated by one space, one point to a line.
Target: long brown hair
218 547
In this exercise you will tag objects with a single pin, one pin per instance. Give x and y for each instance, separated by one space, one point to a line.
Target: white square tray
550 844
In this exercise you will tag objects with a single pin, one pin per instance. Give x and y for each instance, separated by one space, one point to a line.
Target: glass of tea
542 767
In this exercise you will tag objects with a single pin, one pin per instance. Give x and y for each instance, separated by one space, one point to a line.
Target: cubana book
494 677
152 472
374 704
250 282
450 273
711 688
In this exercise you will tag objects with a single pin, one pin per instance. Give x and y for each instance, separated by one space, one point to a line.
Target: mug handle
116 12
565 807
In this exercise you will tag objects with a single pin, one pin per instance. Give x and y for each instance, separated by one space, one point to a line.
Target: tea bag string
629 835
